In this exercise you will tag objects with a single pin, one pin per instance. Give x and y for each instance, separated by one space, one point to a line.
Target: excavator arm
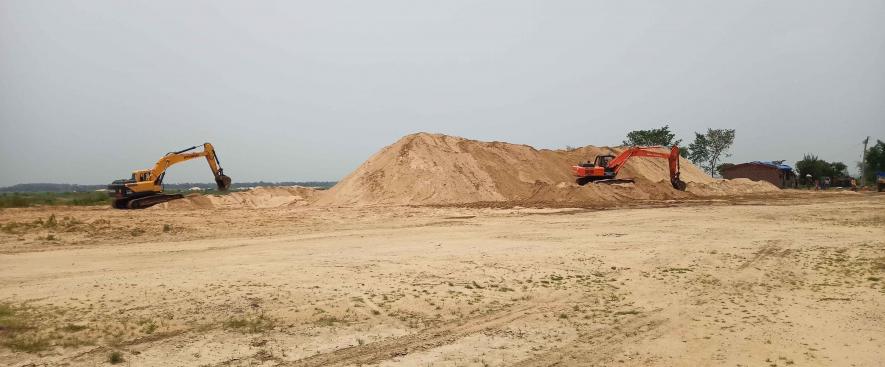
173 158
651 152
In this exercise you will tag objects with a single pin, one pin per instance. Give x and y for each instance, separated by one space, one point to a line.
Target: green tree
875 161
810 165
817 168
838 169
710 147
661 136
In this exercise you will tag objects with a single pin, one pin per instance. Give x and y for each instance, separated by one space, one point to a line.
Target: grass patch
24 200
116 357
149 327
328 321
51 223
13 323
12 320
676 270
28 344
73 328
250 324
30 328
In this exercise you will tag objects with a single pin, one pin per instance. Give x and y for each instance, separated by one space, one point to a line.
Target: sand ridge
259 197
437 169
423 168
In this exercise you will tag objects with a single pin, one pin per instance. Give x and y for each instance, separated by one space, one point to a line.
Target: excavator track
145 202
608 181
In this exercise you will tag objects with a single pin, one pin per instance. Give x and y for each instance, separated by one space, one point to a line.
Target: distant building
196 188
779 174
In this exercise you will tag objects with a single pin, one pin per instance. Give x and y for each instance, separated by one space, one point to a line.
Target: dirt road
797 281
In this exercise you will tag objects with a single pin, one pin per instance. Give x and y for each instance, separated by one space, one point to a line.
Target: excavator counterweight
606 167
145 188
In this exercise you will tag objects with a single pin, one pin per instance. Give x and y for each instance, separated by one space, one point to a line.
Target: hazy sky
307 90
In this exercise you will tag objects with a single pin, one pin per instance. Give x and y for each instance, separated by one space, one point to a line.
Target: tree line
56 187
708 149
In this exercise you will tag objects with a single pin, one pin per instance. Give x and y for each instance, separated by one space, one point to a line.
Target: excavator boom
145 188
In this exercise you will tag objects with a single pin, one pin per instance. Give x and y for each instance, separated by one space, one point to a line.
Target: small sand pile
260 197
422 169
738 186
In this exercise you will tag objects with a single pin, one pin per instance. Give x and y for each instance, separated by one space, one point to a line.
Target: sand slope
259 197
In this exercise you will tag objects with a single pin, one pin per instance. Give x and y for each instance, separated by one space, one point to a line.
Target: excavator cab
596 171
600 161
604 160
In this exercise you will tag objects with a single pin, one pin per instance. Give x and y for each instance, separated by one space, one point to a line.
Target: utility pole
863 164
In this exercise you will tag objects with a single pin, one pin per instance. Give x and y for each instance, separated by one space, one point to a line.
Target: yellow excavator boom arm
152 179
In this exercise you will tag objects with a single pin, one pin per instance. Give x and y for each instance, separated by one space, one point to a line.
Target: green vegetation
13 322
817 168
661 136
250 323
328 321
73 328
23 200
64 188
116 357
875 161
709 148
51 223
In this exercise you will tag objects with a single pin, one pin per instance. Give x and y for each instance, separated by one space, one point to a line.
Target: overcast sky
307 90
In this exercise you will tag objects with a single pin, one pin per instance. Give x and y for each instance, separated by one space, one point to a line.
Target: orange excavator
606 167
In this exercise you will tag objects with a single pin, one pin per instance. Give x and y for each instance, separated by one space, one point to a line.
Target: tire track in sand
588 352
426 339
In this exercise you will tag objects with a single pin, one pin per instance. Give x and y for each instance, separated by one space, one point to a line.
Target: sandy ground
777 281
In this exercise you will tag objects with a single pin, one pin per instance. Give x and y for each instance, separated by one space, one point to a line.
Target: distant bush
23 200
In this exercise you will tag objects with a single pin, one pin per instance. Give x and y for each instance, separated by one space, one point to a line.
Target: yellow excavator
145 188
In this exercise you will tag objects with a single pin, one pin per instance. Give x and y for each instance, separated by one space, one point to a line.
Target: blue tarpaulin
780 166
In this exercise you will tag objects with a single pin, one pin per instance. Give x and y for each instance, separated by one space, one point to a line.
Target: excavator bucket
678 184
223 182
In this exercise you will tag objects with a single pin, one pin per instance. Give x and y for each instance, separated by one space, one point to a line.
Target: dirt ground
795 279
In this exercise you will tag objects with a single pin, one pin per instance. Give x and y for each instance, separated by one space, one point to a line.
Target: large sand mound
422 169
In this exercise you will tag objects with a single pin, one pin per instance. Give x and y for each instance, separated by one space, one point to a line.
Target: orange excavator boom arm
652 152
